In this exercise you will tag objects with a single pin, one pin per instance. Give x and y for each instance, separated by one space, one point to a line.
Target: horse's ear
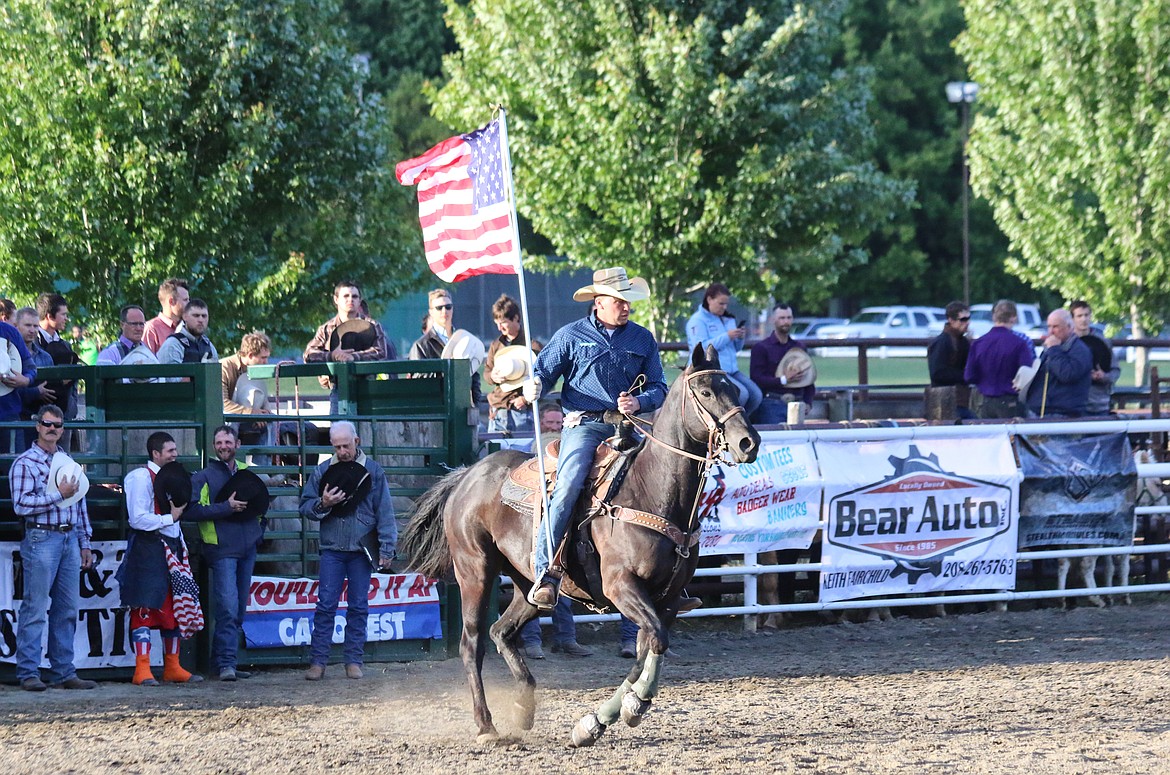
697 356
712 355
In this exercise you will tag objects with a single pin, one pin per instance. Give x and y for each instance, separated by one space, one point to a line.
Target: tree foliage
1070 145
687 141
226 142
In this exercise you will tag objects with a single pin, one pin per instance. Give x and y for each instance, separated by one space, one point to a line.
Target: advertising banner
280 611
101 639
1077 492
910 517
773 503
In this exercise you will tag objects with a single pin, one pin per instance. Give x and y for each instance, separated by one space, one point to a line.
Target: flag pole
538 446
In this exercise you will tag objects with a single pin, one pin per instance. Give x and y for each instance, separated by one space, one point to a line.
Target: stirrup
545 592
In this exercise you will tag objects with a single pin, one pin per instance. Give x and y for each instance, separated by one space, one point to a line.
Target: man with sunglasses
347 299
440 326
946 358
54 551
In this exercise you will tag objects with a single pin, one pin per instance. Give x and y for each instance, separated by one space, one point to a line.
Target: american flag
466 216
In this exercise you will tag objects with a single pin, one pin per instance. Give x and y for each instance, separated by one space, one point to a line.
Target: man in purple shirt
54 551
994 360
133 329
766 356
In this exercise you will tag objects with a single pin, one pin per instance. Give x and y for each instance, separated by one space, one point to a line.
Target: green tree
1070 145
227 142
917 257
687 141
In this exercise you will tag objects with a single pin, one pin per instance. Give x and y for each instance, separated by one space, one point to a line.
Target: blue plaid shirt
31 501
598 366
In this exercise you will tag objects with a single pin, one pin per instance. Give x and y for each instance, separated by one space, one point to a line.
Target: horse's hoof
587 732
633 709
525 715
491 736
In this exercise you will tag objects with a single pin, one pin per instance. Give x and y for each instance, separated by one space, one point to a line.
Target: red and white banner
916 516
773 503
463 205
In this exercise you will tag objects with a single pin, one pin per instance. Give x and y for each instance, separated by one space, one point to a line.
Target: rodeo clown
155 576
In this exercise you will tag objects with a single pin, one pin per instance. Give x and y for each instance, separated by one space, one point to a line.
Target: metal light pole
964 93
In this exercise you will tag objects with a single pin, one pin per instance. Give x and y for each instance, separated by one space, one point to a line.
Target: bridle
716 441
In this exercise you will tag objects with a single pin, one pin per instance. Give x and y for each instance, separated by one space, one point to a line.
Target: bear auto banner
280 610
915 516
773 503
1077 492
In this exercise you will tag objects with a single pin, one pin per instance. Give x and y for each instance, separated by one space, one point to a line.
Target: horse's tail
424 540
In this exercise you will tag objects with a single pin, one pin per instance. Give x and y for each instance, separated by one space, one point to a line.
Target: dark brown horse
463 521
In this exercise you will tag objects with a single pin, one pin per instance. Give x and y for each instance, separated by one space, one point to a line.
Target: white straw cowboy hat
511 367
463 346
10 363
798 360
250 393
141 355
614 282
64 468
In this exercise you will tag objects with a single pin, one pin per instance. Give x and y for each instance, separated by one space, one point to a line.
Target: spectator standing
1061 385
1105 370
7 310
155 554
37 394
255 350
84 345
342 559
766 356
13 381
347 299
54 550
53 312
711 325
439 330
993 361
189 344
230 542
133 320
506 407
946 358
173 295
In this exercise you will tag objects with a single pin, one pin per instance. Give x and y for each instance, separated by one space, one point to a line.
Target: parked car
1155 353
884 323
981 323
809 328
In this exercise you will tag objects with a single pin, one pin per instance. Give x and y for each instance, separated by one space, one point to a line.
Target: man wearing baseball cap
608 363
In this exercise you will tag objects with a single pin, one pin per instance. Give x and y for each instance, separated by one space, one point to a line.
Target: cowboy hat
61 469
141 355
614 282
463 346
797 359
354 334
353 479
1023 379
510 368
10 363
250 393
172 484
248 487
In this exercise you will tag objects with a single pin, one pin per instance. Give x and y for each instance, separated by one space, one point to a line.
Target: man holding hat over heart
48 494
348 494
607 363
12 377
229 503
506 367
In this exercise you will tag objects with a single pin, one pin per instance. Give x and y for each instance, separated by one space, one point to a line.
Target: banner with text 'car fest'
916 516
773 503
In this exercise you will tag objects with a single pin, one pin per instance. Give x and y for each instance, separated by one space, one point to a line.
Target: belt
65 528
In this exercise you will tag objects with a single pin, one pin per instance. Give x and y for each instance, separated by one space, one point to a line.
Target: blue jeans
629 630
231 578
336 567
577 447
750 395
562 616
52 571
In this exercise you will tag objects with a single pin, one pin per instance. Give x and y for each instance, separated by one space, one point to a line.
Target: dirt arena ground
1045 691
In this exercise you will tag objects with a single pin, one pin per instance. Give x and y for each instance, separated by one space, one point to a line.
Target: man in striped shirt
54 551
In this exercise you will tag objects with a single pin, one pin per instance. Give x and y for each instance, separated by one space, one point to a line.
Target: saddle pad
520 489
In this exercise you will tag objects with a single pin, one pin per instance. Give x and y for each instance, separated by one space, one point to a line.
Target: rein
716 444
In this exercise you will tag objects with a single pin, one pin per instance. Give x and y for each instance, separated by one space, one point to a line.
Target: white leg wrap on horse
610 711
